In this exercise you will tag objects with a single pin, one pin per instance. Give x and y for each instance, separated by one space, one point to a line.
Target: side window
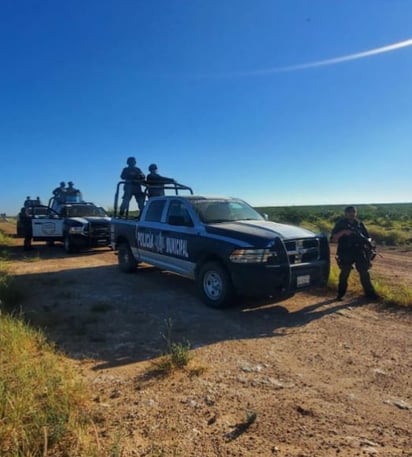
155 210
177 214
51 214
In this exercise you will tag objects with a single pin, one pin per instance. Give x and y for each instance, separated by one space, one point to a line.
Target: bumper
261 280
85 242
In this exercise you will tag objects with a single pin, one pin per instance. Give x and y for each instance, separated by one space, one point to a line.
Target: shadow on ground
118 318
42 251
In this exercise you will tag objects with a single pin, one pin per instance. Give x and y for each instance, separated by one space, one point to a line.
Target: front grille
100 230
302 250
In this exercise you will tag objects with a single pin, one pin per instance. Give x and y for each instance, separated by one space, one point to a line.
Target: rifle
368 244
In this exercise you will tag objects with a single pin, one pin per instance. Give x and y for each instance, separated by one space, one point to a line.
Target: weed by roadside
176 356
241 427
10 294
41 398
5 240
44 407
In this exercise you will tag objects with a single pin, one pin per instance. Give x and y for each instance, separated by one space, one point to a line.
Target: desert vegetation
389 224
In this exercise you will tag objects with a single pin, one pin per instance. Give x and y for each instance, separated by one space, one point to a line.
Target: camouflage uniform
133 177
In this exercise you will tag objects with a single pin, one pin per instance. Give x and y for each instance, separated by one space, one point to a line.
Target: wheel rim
213 285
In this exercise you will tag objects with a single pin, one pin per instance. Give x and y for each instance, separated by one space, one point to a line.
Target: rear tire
215 285
126 260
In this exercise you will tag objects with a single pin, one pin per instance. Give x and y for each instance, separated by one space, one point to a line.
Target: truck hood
92 219
247 230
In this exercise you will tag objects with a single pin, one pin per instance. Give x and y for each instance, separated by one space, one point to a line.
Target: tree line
388 223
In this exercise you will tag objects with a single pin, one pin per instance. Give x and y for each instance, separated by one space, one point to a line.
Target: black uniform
26 220
72 195
352 250
156 184
134 177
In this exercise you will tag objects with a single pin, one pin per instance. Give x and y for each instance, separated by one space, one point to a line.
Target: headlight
251 255
76 230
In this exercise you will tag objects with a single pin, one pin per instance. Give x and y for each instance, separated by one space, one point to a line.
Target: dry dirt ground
307 376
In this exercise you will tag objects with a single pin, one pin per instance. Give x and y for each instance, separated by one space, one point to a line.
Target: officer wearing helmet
156 182
73 195
60 192
133 177
354 248
26 226
27 202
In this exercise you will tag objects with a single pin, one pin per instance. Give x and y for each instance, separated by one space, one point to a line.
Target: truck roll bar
176 187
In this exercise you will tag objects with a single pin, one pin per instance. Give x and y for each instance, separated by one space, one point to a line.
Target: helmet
131 161
350 209
70 183
152 167
62 184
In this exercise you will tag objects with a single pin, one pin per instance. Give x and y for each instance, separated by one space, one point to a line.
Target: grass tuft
41 397
177 353
11 295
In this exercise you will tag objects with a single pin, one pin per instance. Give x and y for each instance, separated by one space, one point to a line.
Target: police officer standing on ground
353 249
26 220
133 177
156 182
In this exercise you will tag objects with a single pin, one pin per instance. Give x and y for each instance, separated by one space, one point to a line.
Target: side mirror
265 216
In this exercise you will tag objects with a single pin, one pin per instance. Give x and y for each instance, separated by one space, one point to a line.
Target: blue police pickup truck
223 244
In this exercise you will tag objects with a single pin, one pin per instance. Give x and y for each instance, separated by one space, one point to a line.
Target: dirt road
303 377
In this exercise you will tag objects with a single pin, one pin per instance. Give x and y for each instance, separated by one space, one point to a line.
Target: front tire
215 285
68 244
127 262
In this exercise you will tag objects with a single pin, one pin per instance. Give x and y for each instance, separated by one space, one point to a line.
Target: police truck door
47 226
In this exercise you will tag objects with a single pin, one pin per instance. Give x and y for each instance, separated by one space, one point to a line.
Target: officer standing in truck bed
156 182
133 177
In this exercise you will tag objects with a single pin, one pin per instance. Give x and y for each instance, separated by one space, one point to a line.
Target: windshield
211 211
85 211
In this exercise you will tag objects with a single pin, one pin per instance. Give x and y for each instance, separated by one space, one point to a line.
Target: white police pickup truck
223 244
78 225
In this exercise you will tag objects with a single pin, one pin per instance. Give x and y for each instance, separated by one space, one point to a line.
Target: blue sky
215 92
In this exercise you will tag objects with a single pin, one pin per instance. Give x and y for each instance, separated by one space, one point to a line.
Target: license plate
303 280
